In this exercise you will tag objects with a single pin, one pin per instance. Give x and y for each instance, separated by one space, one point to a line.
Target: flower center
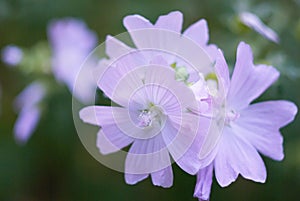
230 116
151 117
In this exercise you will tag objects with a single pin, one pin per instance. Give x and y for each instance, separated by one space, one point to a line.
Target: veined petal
169 89
182 144
271 115
116 118
147 156
172 21
161 37
222 72
115 48
135 178
102 115
204 182
110 139
163 177
134 22
198 32
235 157
259 124
123 77
248 81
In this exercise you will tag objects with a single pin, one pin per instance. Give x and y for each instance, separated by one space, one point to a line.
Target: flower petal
172 21
235 157
259 124
252 21
117 119
183 144
134 22
145 157
222 73
198 32
249 81
168 91
119 81
163 177
102 115
204 182
115 48
161 38
26 124
110 139
135 178
112 136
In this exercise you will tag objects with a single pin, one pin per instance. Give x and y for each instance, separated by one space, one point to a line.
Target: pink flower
152 116
246 129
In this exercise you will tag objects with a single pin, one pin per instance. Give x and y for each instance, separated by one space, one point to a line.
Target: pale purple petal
248 81
27 104
183 144
259 124
115 48
85 83
111 139
101 115
135 178
147 156
114 122
198 32
135 22
70 32
210 146
12 55
222 73
235 157
172 21
204 182
111 119
252 21
160 37
163 177
119 81
170 92
26 123
71 42
30 96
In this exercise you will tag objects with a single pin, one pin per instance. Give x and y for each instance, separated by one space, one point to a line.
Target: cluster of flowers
174 98
71 42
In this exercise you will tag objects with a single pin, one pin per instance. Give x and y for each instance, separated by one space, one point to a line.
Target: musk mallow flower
248 129
12 55
27 104
152 115
253 22
71 42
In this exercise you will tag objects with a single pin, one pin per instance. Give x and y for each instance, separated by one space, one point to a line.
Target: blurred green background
54 165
